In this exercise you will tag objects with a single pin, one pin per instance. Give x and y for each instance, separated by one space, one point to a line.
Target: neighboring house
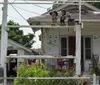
38 50
16 48
61 41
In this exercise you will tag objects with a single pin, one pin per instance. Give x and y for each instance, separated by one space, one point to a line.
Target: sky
26 10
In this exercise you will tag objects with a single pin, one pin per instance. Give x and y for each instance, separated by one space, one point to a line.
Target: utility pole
4 38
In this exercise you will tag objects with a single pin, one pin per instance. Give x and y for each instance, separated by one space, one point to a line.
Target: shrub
40 71
31 71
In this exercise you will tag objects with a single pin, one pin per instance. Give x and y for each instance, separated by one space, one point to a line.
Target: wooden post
78 43
78 49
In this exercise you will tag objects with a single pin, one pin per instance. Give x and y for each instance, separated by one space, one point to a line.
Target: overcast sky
31 11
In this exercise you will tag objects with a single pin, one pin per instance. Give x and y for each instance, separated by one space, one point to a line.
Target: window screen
63 46
87 48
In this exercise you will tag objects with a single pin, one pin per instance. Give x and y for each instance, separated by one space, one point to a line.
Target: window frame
87 48
66 44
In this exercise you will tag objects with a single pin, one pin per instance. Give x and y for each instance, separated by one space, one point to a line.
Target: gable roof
65 5
88 14
46 16
19 45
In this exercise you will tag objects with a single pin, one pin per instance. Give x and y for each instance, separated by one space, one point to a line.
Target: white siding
96 46
51 42
51 45
86 65
20 52
27 53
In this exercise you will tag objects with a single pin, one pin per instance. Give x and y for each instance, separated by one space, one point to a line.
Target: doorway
71 48
68 47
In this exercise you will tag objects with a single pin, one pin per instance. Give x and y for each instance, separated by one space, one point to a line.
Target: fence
47 80
41 74
47 71
51 80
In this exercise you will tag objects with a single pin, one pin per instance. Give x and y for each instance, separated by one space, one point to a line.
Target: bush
96 70
30 71
40 71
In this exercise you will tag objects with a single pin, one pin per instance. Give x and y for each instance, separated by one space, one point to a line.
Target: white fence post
94 79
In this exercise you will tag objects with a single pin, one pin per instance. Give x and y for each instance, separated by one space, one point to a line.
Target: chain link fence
49 81
55 71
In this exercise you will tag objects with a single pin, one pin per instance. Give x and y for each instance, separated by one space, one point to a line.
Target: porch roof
88 14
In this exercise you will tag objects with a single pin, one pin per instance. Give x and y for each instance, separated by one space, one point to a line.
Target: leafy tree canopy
17 35
96 4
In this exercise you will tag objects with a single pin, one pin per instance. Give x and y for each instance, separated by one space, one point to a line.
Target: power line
13 17
27 10
18 12
37 5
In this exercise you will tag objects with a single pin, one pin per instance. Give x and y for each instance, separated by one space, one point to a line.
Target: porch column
4 38
78 49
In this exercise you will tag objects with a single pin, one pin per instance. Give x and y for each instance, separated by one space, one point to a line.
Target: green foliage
96 4
69 73
17 35
31 71
96 71
40 37
40 71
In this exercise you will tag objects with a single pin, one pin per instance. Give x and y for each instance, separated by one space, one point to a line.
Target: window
11 52
63 46
87 48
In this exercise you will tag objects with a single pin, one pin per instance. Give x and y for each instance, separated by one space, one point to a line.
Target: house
15 48
61 41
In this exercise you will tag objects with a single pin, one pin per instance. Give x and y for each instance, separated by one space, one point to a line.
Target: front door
72 46
68 48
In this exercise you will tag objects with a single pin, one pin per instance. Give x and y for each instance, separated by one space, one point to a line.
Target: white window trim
84 47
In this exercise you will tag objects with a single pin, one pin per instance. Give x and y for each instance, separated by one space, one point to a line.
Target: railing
40 56
47 80
52 80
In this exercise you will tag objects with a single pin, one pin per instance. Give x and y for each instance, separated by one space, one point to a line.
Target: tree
17 35
96 4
